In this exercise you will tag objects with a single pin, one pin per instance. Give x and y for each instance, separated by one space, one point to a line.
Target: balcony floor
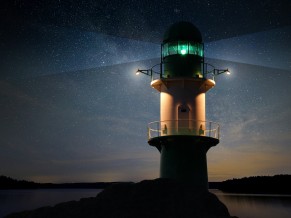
180 140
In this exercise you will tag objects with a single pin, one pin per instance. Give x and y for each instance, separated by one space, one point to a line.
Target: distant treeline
278 184
9 183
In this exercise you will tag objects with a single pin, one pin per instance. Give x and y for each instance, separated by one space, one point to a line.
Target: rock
149 198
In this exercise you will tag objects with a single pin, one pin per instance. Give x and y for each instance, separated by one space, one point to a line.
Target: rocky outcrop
152 198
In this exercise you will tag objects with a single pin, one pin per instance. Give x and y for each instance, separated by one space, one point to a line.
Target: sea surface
256 205
241 205
19 200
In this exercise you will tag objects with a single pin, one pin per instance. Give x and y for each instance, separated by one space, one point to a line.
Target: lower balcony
183 127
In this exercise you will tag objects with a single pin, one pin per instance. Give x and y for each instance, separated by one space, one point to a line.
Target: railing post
158 128
149 134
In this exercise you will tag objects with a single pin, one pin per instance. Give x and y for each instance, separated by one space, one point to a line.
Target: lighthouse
183 135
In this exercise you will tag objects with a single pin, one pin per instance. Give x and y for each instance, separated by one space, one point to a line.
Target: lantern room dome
182 31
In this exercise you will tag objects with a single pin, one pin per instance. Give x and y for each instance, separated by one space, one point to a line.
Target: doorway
183 119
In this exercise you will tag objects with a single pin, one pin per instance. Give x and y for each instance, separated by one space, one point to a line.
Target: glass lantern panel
183 47
173 48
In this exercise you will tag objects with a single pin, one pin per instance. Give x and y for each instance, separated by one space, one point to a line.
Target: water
241 205
20 200
256 206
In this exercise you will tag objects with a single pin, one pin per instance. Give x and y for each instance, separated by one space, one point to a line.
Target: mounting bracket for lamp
150 72
214 71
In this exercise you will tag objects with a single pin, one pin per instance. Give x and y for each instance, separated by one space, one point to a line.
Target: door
183 120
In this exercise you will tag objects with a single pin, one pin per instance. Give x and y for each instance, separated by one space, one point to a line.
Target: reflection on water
256 206
241 205
20 200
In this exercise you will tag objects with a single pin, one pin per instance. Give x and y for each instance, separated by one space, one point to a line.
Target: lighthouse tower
183 136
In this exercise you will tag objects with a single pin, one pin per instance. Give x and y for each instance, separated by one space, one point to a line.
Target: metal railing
183 127
208 71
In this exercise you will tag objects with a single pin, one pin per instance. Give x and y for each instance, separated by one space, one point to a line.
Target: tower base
183 157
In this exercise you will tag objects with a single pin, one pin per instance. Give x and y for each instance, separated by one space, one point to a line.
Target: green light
183 51
183 47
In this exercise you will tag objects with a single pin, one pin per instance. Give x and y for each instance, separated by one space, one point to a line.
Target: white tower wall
182 104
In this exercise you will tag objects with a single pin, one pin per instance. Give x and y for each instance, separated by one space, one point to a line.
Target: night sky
73 110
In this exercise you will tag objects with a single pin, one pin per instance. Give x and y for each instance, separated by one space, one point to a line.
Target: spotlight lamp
217 72
214 72
146 72
150 72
